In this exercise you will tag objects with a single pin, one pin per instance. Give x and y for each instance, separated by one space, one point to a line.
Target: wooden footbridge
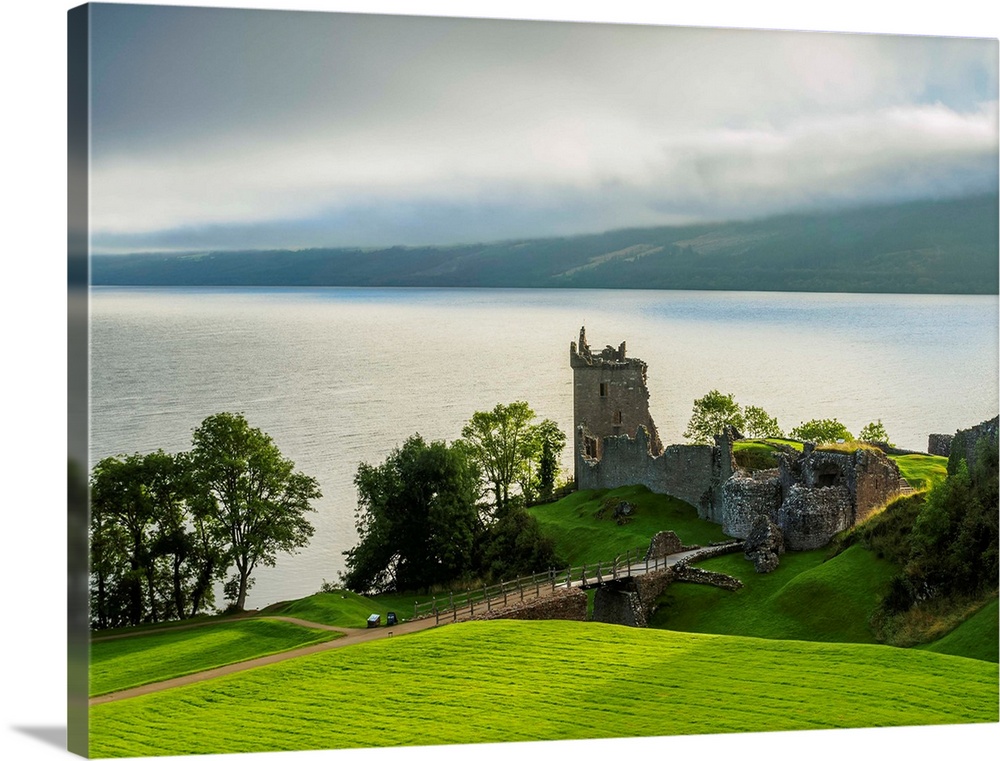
465 605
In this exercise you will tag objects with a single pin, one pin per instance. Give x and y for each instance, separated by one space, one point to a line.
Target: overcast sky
221 128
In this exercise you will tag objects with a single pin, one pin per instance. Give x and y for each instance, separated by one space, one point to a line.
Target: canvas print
454 381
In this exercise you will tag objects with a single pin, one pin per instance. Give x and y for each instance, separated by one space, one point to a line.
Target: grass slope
976 637
922 471
504 681
122 663
339 608
583 537
805 598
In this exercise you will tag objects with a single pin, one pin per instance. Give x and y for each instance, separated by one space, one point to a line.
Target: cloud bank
254 129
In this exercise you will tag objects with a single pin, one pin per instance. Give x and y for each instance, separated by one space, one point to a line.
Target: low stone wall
563 604
662 544
701 576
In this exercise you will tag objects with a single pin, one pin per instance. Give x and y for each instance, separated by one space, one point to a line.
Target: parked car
390 619
374 620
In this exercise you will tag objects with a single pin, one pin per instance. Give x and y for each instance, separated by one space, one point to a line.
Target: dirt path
351 637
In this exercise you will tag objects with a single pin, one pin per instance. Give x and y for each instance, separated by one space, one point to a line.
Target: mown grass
503 681
582 536
338 608
805 598
921 471
132 661
976 637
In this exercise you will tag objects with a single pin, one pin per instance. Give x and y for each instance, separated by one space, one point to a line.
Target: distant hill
919 247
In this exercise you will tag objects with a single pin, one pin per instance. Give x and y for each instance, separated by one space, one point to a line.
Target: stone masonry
810 497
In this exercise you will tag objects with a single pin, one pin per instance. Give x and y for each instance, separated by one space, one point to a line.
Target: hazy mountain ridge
919 247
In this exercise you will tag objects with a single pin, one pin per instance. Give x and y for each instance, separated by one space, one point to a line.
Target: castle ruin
810 496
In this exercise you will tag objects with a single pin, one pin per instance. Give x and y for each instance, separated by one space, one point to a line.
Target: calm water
339 376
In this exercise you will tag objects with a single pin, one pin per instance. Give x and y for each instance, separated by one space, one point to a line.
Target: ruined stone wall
688 472
809 517
662 544
610 397
684 572
963 446
748 496
873 479
939 444
563 604
691 472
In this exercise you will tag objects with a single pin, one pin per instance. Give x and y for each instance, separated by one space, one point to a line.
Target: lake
339 376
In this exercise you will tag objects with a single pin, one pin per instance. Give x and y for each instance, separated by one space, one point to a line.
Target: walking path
351 636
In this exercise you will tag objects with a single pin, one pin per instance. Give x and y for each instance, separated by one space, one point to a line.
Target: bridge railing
483 599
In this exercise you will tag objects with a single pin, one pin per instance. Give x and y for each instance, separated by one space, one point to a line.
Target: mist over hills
948 246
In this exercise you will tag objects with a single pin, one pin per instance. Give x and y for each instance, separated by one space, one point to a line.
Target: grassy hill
804 598
585 530
117 664
920 247
504 681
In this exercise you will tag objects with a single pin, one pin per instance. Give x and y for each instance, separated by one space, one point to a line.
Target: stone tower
610 398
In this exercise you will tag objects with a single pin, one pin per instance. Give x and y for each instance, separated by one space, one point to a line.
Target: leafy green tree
249 496
504 443
759 425
710 416
875 433
514 545
417 518
821 431
552 442
124 517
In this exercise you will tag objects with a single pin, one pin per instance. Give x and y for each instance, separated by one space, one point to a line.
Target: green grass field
921 471
582 537
339 608
804 598
504 681
132 661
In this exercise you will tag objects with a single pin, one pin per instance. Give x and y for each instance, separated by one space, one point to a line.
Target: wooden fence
483 599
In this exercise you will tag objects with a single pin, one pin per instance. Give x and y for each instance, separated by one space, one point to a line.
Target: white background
32 540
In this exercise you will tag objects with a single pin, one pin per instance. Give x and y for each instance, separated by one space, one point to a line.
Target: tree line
714 412
434 513
164 528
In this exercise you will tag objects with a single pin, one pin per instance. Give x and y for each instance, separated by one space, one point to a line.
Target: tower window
604 389
618 417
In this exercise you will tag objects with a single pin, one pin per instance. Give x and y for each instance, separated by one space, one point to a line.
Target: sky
228 128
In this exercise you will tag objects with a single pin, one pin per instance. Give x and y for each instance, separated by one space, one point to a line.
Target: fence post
414 608
503 586
487 596
520 588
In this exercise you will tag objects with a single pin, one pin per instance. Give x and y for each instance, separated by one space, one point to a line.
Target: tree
875 433
503 442
514 545
822 432
551 441
710 416
417 518
759 425
249 496
142 564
